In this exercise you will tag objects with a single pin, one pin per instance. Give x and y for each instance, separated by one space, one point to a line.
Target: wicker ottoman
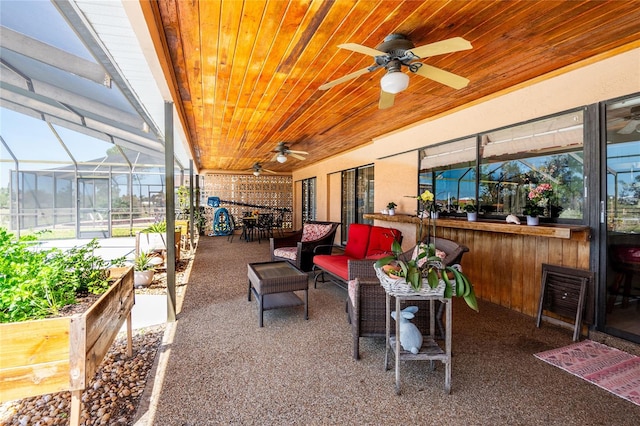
274 283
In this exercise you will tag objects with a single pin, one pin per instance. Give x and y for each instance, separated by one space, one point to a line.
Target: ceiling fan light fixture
256 173
281 158
394 82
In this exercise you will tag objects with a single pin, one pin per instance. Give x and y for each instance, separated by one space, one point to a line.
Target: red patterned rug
610 368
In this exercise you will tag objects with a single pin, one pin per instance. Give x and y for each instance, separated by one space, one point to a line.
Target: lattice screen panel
239 193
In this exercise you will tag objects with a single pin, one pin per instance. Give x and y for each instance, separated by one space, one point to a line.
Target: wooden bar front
505 260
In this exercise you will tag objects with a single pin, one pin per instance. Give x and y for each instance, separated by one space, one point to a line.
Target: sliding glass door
621 212
357 197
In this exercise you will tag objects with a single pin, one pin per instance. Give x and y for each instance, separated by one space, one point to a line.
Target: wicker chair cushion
380 241
286 252
314 231
422 261
337 264
352 291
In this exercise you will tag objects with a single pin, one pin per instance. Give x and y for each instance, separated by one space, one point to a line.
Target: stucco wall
396 175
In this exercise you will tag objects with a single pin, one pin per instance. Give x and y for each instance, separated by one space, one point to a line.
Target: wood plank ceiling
247 73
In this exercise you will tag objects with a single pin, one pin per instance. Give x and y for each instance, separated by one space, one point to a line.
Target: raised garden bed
59 354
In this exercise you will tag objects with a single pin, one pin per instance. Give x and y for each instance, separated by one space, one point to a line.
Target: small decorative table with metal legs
430 350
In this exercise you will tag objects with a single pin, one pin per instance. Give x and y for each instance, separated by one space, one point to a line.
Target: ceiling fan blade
269 171
275 157
386 100
343 79
297 152
299 157
630 127
455 44
354 47
442 76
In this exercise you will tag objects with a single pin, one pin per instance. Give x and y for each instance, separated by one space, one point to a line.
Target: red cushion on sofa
357 240
337 264
380 240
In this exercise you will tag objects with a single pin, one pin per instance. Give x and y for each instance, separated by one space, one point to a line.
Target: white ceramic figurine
410 336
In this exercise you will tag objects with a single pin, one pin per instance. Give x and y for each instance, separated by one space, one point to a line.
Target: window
517 159
511 162
357 196
449 172
308 199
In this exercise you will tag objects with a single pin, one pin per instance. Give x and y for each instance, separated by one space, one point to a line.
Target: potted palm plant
144 268
154 239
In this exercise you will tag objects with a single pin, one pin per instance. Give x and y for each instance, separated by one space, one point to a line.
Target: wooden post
76 403
129 336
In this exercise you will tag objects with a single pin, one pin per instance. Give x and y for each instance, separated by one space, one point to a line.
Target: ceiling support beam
47 90
53 56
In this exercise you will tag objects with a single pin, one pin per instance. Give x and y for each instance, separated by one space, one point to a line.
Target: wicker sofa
365 244
300 247
366 307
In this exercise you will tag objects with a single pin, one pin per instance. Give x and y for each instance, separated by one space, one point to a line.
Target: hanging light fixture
281 158
256 173
394 82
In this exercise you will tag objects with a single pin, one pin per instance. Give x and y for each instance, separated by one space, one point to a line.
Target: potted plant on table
391 208
426 267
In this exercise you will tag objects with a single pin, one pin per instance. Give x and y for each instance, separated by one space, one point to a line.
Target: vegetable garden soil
114 394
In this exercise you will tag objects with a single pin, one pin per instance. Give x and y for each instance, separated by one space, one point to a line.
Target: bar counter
568 232
505 260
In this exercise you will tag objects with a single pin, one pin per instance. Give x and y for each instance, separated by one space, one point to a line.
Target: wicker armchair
366 302
300 253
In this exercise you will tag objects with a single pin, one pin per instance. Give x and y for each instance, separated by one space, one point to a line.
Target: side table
430 349
274 283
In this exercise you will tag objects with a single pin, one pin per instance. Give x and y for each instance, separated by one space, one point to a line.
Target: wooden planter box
60 354
156 242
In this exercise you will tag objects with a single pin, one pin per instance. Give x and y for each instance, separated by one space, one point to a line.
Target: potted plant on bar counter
472 212
391 208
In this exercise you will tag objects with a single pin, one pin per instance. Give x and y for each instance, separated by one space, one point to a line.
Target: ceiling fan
634 121
258 170
282 151
397 51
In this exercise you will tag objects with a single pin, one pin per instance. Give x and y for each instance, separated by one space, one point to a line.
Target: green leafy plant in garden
36 282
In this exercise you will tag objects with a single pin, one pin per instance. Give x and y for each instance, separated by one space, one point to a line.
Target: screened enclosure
82 140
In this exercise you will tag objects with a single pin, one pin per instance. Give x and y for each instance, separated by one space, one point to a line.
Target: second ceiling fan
258 170
397 51
282 152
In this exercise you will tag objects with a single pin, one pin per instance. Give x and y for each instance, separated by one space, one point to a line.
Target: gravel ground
114 394
112 397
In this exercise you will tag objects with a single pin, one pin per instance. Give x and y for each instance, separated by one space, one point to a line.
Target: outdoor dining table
249 224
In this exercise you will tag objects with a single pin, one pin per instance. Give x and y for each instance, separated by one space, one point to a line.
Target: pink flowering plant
538 199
